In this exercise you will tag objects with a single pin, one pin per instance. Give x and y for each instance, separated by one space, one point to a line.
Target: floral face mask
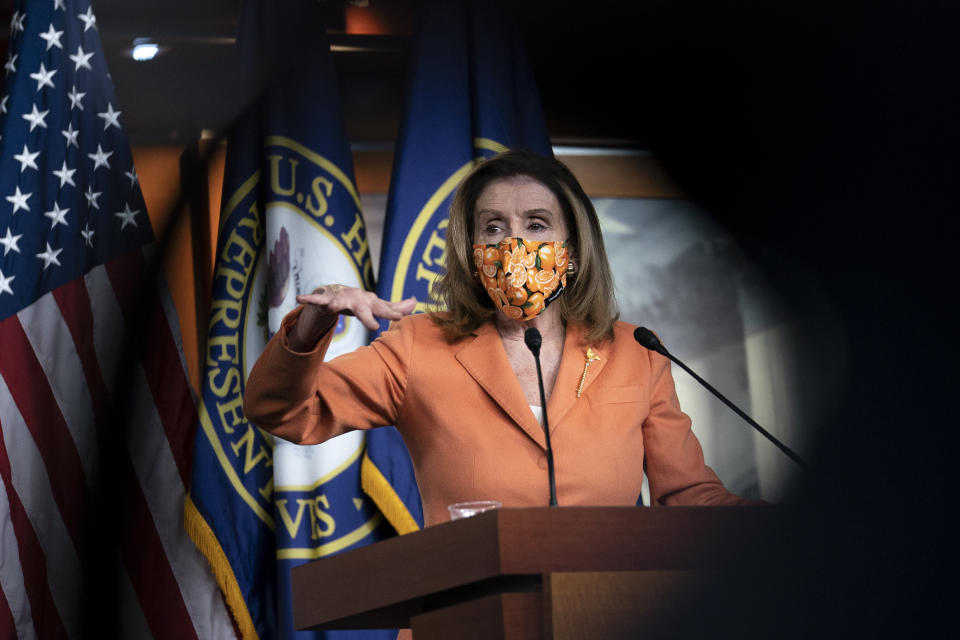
522 277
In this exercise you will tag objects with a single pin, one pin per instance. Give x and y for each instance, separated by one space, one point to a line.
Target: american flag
97 417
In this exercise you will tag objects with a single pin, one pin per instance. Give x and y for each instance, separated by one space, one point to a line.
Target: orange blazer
469 429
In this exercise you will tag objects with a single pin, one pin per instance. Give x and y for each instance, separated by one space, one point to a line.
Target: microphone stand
647 339
533 340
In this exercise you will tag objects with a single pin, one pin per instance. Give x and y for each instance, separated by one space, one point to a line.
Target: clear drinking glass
467 509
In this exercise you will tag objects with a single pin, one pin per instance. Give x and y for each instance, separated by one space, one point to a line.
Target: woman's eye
491 228
536 226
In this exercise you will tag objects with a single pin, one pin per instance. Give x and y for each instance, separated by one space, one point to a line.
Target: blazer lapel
572 363
486 361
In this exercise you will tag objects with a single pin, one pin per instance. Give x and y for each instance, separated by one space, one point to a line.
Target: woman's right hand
322 307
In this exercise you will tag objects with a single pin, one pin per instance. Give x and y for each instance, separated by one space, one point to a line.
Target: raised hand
322 307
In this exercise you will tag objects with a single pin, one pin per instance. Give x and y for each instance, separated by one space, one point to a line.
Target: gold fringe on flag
205 540
375 485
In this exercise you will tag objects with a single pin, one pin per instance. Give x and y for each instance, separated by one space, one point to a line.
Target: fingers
353 301
407 306
393 310
365 316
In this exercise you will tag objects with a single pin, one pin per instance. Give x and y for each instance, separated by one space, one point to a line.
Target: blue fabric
471 92
46 220
290 221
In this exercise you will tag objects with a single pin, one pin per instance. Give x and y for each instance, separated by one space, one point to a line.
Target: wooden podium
562 572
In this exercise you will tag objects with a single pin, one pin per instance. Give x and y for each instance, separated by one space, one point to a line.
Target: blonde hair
589 297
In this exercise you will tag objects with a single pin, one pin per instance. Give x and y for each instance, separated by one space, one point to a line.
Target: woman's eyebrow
540 211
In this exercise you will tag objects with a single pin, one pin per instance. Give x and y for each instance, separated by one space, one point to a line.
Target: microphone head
532 337
647 339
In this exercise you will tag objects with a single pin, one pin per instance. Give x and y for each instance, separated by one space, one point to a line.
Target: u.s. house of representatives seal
292 226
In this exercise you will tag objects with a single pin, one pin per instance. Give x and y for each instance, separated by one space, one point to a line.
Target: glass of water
467 509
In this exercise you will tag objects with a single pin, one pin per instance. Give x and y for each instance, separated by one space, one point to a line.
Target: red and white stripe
59 364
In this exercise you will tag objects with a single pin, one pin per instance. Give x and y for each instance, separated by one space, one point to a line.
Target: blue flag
471 95
291 221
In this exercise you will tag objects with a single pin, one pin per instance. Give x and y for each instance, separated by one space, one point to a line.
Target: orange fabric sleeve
301 398
674 461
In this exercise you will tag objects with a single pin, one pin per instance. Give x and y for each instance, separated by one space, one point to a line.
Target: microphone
647 339
533 340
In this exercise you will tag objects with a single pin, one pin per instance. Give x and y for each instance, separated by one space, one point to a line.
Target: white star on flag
16 22
19 200
76 265
49 256
52 37
36 118
92 197
43 77
9 242
81 59
27 159
100 158
57 215
76 98
110 117
71 136
65 175
89 20
5 283
127 216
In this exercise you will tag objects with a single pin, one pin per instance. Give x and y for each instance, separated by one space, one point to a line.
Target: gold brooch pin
591 356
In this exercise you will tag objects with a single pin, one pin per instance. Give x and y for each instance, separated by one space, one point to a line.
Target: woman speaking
524 249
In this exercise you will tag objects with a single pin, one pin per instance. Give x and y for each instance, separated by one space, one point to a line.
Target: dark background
823 136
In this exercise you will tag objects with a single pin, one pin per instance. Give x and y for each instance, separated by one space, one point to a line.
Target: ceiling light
144 49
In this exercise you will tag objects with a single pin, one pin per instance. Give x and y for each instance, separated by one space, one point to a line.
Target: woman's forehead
516 194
